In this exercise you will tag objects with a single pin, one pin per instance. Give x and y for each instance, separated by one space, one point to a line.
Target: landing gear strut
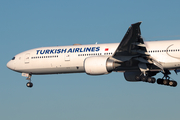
29 84
166 80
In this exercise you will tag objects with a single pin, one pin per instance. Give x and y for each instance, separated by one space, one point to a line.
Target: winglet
138 23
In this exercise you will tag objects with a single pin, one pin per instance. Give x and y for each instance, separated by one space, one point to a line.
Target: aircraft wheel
166 82
173 83
153 80
29 84
159 81
137 77
144 78
149 79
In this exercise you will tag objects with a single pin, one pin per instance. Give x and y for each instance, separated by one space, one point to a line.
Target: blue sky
36 23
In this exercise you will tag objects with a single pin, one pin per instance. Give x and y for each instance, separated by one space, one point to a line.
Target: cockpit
13 58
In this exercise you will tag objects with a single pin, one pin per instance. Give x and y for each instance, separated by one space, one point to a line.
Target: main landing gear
145 79
162 81
29 84
166 80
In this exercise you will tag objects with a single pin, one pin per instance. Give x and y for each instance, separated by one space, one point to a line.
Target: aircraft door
67 57
27 58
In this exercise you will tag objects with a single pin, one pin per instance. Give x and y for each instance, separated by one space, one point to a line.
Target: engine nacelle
130 76
98 65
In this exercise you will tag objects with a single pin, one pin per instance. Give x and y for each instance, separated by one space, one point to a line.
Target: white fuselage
70 59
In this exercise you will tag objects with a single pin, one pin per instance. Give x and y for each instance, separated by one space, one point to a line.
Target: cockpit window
13 58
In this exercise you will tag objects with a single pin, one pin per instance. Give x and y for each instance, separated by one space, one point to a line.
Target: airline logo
106 49
70 50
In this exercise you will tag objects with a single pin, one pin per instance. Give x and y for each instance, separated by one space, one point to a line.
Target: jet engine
99 65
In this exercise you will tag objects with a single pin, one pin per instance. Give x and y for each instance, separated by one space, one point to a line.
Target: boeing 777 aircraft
138 60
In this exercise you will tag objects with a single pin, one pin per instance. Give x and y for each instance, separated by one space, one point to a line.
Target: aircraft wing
131 39
132 47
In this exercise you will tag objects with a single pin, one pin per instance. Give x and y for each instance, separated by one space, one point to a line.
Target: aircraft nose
10 65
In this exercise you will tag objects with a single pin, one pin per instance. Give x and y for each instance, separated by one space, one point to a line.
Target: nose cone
10 65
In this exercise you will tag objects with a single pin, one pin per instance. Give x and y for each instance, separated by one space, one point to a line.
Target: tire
137 77
153 80
172 83
160 81
143 78
166 82
29 84
149 79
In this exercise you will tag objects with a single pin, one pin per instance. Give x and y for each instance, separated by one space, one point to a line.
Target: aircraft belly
59 70
171 65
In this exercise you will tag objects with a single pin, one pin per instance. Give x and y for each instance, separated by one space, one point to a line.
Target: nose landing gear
29 84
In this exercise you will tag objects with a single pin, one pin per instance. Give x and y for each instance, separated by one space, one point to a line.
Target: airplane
138 60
